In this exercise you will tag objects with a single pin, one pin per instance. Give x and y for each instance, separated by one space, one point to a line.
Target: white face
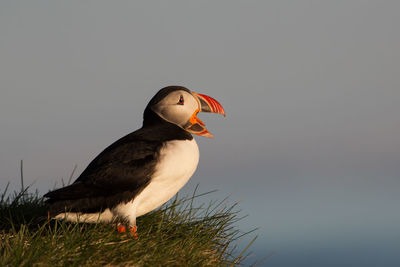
177 107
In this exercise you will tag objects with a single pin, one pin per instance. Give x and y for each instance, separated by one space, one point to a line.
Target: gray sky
311 141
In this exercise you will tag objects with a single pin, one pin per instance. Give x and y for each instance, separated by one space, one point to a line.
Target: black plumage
123 169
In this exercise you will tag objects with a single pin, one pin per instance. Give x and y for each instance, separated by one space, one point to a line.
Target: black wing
116 175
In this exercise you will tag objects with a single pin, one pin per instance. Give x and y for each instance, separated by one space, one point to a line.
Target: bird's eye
181 100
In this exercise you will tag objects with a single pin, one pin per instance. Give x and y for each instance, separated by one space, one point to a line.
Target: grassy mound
177 234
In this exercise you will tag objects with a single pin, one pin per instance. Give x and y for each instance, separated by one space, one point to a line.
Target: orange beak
206 104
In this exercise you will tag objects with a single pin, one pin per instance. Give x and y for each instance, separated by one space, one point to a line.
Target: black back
122 170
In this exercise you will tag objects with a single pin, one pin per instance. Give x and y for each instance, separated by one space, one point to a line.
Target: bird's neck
156 127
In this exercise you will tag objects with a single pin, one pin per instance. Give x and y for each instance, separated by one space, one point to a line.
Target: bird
142 170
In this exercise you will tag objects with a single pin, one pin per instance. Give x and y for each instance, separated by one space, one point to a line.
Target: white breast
177 163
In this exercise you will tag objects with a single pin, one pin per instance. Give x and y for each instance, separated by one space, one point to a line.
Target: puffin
142 170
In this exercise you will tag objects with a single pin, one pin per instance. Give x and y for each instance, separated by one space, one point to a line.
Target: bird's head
178 105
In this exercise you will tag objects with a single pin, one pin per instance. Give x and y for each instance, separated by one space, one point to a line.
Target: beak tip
208 134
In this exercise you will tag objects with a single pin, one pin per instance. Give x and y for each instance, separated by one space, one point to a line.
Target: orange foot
121 229
132 230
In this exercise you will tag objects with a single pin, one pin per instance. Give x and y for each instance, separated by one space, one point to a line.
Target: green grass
178 234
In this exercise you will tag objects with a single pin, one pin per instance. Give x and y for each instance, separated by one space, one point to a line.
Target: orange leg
133 232
121 228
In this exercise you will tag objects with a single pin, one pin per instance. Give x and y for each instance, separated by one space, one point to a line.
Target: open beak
206 104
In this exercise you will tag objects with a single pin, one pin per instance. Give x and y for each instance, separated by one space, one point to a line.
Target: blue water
341 225
380 247
333 254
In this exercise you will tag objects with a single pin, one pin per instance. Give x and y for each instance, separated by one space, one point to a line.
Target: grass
179 233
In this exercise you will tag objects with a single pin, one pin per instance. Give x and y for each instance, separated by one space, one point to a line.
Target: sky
311 142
